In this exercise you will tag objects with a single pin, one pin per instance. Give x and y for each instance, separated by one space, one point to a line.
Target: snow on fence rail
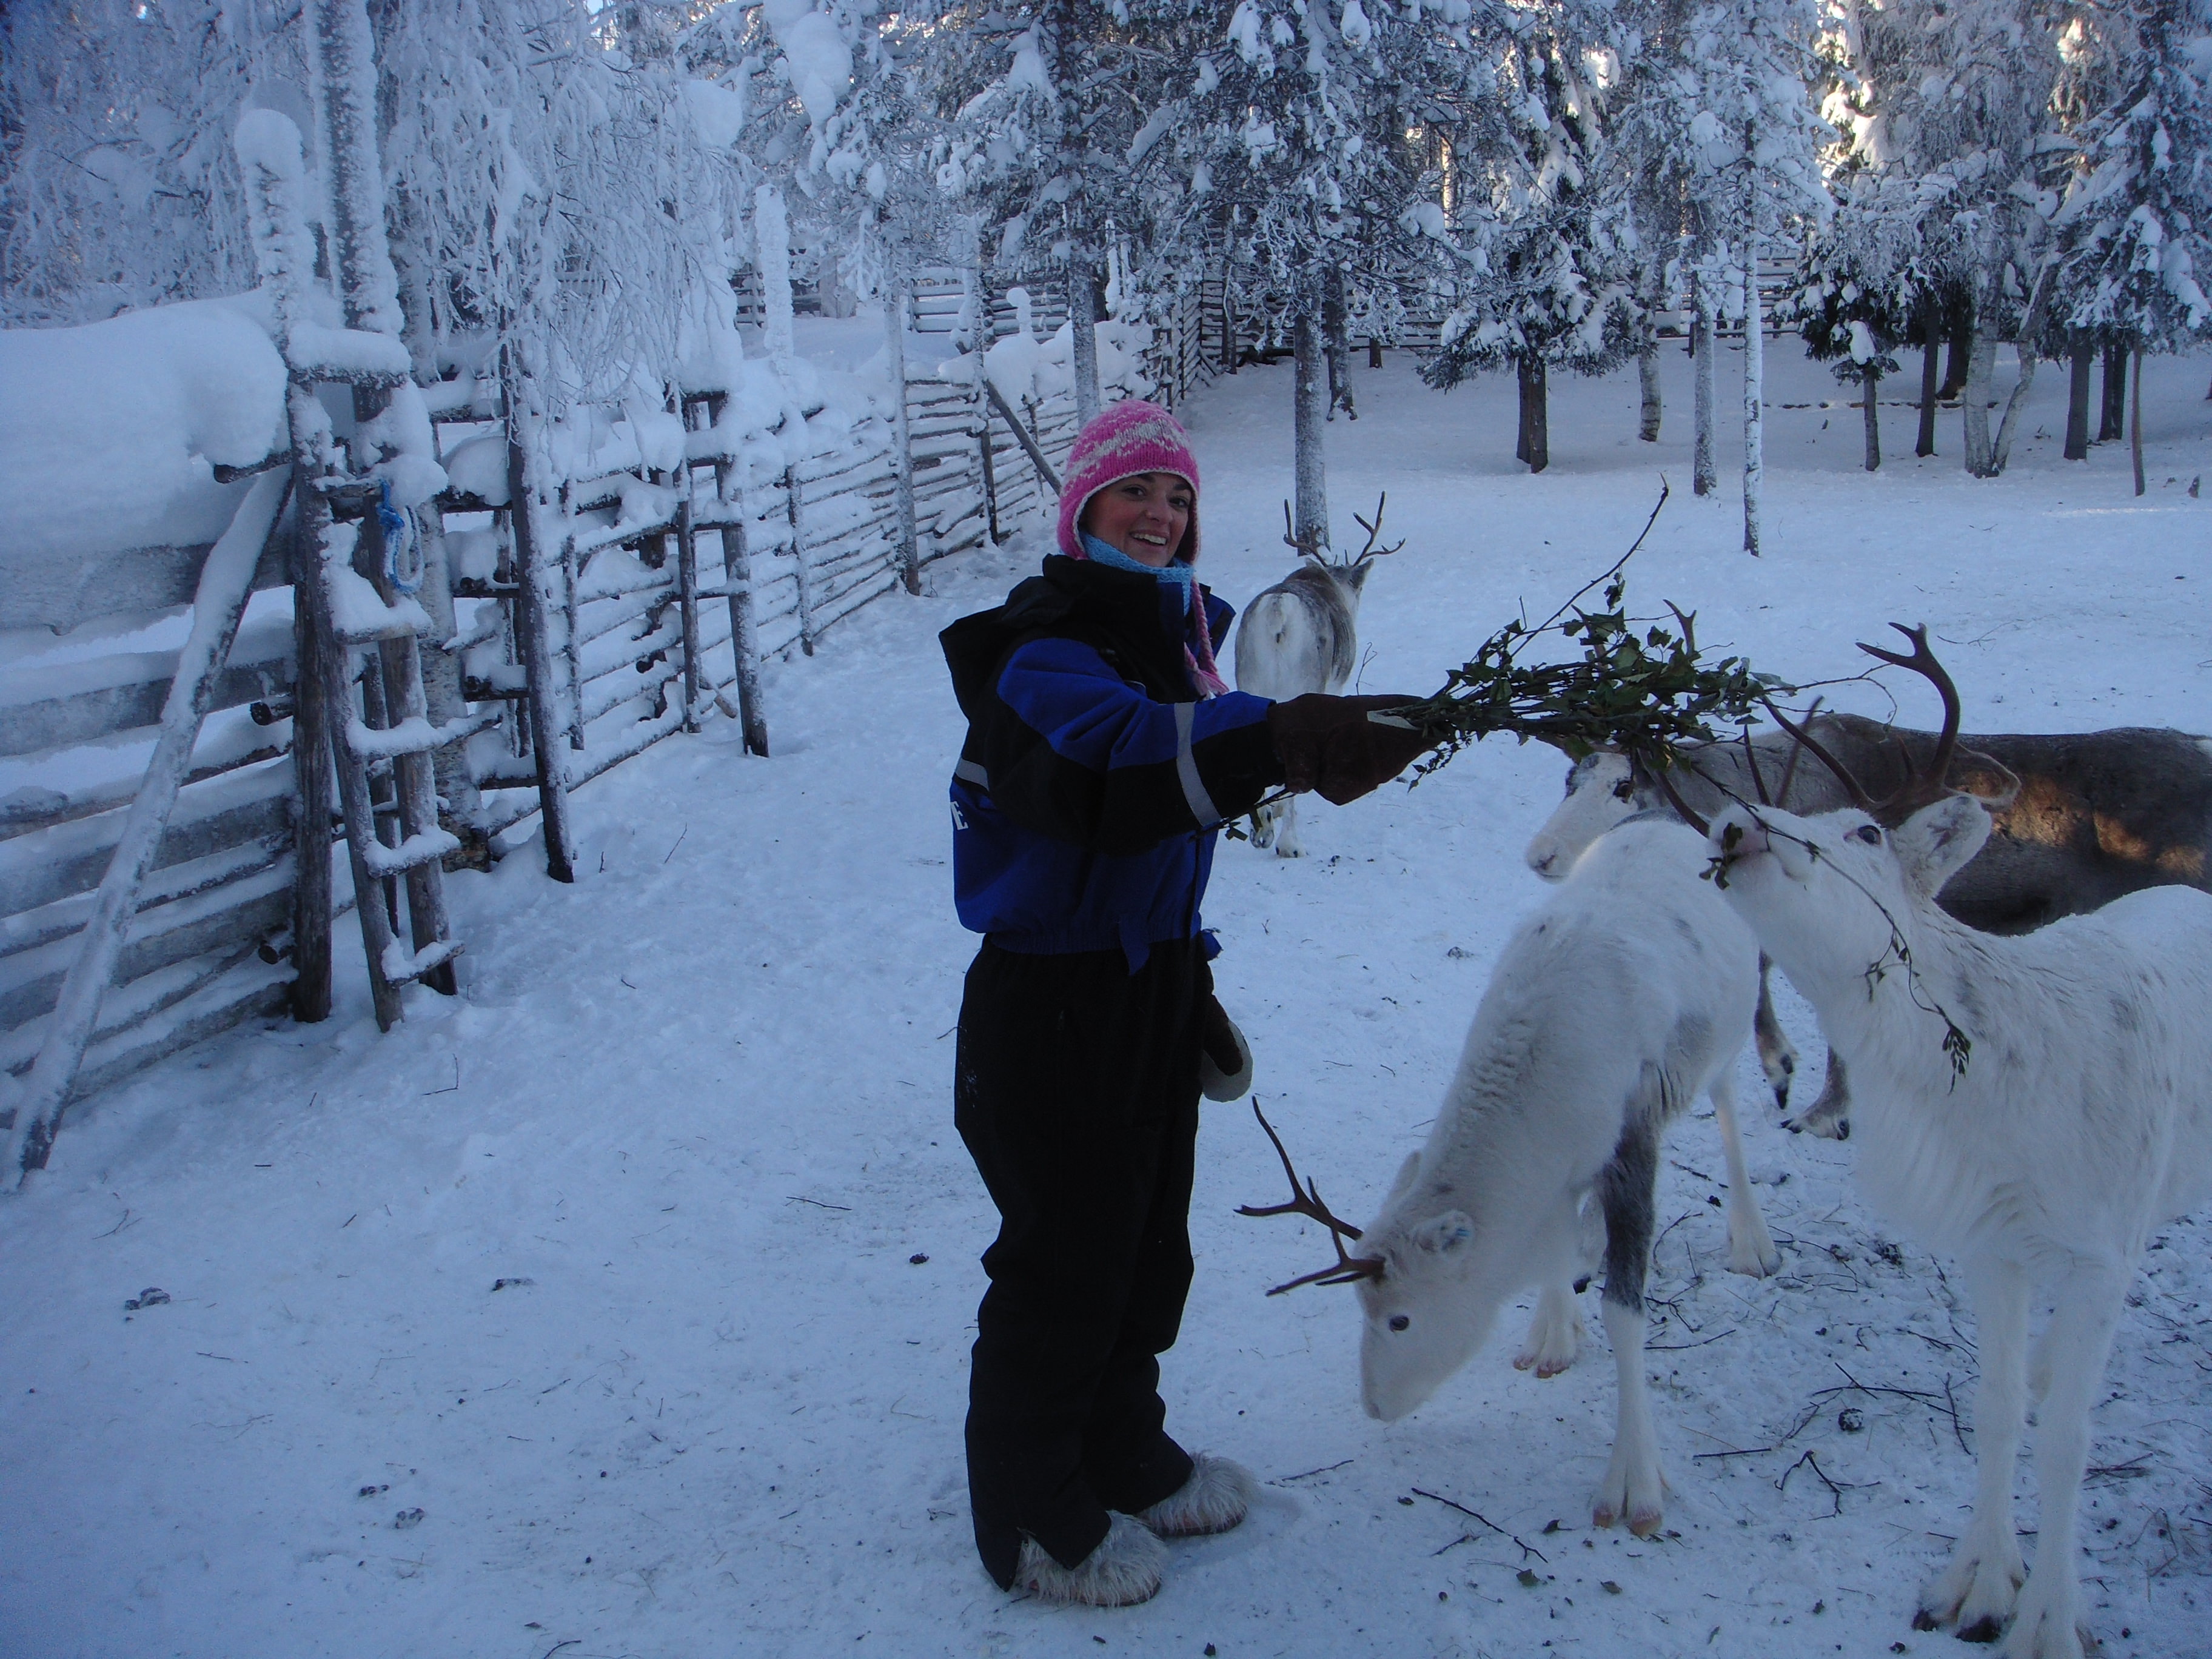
668 587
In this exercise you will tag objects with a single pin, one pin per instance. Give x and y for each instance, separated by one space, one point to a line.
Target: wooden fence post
225 580
803 578
312 763
737 580
895 298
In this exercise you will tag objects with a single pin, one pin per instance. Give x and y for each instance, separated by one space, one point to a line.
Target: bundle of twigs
1638 686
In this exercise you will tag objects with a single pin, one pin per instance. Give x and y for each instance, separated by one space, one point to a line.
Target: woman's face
1143 515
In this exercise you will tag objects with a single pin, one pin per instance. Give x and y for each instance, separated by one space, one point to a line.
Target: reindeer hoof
1843 1128
1644 1522
1923 1620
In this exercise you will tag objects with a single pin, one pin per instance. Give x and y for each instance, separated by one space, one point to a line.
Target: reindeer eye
1869 833
1625 790
1399 1322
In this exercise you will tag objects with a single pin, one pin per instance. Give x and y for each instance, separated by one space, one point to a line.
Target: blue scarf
1177 575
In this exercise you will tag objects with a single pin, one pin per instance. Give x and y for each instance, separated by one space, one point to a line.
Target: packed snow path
625 1301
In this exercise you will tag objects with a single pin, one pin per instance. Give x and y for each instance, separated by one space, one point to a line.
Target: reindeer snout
1736 836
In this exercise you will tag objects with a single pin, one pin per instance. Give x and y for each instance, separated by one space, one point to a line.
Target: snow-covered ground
621 1306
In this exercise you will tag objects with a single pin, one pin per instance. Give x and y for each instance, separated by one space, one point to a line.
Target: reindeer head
1349 572
1429 1276
1832 897
1601 791
1446 1274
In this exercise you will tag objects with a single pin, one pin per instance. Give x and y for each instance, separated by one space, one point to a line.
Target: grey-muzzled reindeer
1301 636
1625 995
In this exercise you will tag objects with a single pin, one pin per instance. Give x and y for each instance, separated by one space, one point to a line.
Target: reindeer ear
1441 1235
1935 842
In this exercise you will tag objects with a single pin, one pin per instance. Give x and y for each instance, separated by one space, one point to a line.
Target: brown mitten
1329 744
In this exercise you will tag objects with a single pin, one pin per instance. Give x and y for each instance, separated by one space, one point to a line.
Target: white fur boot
1124 1569
1217 1497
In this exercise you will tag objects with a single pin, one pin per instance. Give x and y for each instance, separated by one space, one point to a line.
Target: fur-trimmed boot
1217 1497
1124 1569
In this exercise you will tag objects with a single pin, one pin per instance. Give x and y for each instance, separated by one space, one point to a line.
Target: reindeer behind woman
1299 636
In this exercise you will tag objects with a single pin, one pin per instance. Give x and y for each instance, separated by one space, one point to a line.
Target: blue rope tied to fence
403 541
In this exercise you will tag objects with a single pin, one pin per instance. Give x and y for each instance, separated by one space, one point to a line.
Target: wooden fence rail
667 592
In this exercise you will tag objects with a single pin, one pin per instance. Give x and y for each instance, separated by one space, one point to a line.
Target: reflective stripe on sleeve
1193 788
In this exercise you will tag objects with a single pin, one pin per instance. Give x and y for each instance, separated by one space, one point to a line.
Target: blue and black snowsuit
1085 807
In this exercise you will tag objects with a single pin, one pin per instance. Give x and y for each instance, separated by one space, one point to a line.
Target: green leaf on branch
1639 686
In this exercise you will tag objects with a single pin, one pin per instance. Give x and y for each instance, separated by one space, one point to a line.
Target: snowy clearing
641 1326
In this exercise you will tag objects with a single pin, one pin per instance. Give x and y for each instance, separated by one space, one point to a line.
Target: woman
1103 752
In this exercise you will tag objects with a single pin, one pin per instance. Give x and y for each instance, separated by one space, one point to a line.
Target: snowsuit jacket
1092 778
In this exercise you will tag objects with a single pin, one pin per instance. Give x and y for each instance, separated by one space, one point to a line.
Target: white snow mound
109 433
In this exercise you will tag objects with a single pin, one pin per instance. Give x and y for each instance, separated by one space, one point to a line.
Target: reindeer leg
1830 1116
1751 1247
1286 829
1977 1589
1555 1333
1777 1056
1634 1486
2073 1351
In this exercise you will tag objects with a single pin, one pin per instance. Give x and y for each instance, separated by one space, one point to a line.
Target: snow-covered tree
1554 251
1859 291
1727 114
1302 113
118 186
2135 229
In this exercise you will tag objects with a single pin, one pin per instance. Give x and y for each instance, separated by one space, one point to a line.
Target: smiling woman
1103 753
1143 515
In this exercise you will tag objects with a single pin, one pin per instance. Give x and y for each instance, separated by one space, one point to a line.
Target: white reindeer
1299 636
1628 992
2034 1106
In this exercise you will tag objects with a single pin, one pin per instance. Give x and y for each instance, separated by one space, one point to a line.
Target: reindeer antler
1306 1201
1371 551
1306 546
1924 786
1920 788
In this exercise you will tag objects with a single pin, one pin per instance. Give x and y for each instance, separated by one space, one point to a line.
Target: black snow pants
1076 1091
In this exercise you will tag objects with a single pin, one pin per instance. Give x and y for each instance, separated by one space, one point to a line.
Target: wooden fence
671 587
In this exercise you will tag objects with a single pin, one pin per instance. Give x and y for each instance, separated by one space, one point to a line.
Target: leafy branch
1639 685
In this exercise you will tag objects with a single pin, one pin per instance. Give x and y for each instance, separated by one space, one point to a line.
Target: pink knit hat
1133 436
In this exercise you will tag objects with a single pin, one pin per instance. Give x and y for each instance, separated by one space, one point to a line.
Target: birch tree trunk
1870 383
1338 348
1754 391
1980 361
895 316
1702 479
2029 331
1309 411
1082 331
1647 361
